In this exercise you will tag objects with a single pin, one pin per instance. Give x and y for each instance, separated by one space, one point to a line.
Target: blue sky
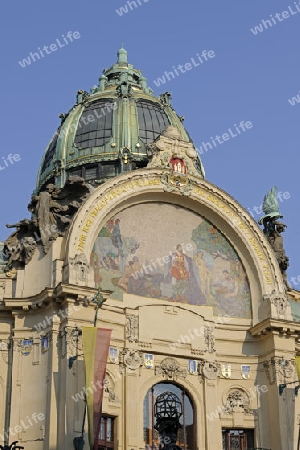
251 78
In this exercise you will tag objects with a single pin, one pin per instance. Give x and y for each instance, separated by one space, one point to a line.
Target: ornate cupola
108 131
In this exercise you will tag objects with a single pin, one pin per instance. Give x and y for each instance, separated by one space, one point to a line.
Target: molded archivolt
217 213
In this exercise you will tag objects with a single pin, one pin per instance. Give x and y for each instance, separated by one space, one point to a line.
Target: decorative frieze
197 352
145 345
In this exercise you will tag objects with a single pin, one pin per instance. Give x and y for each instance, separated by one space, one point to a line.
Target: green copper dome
107 132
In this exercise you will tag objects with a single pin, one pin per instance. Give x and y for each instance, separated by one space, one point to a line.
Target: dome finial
122 55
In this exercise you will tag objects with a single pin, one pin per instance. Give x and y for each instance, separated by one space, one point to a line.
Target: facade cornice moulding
273 326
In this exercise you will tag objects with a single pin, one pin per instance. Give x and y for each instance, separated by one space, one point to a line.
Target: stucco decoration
285 369
5 345
166 252
81 267
170 369
280 304
209 370
130 359
169 151
270 370
132 328
209 339
110 389
279 370
237 401
277 306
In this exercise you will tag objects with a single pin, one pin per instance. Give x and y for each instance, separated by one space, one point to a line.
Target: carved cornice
273 326
58 295
294 295
38 301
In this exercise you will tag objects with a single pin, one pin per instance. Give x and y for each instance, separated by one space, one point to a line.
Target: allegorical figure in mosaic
183 279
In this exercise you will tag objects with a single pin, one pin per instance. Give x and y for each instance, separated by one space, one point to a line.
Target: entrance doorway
187 432
237 439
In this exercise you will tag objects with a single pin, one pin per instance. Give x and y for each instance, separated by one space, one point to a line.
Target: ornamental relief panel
237 401
130 359
132 328
209 370
170 369
81 267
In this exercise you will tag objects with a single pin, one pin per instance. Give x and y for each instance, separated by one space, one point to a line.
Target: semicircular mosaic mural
166 252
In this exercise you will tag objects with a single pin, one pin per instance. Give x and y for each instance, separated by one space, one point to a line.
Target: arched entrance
187 432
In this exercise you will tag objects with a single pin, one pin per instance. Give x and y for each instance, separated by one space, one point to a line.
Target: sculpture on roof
52 212
273 229
20 245
169 151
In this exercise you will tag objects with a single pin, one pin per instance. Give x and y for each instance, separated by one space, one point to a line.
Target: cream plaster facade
53 293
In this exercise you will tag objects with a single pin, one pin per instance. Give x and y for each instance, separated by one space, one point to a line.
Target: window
106 435
95 124
97 171
50 152
237 439
152 120
187 432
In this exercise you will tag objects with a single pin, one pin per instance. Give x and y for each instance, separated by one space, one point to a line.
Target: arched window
152 120
95 124
187 432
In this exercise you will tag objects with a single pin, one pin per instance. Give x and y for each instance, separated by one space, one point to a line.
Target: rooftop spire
122 56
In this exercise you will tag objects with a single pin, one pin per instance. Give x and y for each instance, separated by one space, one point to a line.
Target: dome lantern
122 56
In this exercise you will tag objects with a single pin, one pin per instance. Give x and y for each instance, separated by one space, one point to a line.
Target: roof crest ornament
169 150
